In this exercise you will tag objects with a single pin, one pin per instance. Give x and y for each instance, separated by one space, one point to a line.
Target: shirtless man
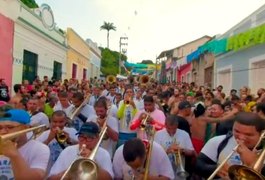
19 90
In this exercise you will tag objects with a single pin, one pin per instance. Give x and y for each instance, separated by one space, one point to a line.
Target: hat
89 128
16 115
184 105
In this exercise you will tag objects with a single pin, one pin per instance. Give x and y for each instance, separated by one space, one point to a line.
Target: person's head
33 104
248 128
220 88
45 78
233 92
149 104
260 110
22 104
101 107
63 98
96 90
14 120
216 109
151 92
171 124
129 92
112 90
58 119
134 153
88 135
118 97
260 92
77 99
18 88
52 100
182 97
184 108
209 95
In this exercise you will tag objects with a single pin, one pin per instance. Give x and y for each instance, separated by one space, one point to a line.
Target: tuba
111 79
144 80
85 168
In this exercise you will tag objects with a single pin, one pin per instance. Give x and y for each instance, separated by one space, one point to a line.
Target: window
84 73
257 80
74 71
224 78
30 64
57 70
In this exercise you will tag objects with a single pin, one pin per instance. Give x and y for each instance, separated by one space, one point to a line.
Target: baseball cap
184 105
16 115
89 129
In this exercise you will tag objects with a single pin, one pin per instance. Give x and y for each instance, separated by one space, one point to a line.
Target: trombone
241 171
85 168
77 110
11 136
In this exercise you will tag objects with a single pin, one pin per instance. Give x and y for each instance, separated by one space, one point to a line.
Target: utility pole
123 50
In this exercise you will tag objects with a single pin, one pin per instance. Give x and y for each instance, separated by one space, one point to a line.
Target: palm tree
108 26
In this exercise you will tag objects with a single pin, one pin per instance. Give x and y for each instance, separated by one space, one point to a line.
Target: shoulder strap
224 143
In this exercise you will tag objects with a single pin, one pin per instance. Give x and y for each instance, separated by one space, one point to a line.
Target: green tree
30 3
108 27
110 61
147 62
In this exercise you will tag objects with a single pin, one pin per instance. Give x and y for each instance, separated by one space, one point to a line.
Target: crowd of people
162 131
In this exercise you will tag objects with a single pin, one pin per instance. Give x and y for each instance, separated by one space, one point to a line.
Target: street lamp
123 50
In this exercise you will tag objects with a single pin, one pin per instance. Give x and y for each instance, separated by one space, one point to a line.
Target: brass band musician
88 137
21 158
246 132
129 161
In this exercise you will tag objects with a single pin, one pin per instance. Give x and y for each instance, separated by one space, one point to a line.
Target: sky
151 26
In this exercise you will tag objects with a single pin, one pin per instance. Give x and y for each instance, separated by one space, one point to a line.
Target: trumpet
85 168
12 136
61 136
144 121
178 162
241 171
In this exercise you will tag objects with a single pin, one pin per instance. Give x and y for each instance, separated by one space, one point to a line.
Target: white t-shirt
33 152
108 144
39 119
159 164
70 154
210 150
87 111
54 146
67 110
139 103
180 137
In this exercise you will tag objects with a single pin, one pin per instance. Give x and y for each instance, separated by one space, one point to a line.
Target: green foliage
147 62
110 61
30 3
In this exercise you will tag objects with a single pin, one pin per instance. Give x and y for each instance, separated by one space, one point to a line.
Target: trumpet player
174 140
129 161
150 114
58 137
246 132
88 137
21 158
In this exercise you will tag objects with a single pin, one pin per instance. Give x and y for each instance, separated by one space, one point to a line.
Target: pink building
6 48
184 73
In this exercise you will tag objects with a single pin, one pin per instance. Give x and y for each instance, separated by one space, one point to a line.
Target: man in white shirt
129 161
85 112
104 119
22 158
173 140
64 104
95 96
88 137
37 117
58 137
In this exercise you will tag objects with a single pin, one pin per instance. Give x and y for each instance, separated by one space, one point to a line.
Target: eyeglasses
9 127
86 138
